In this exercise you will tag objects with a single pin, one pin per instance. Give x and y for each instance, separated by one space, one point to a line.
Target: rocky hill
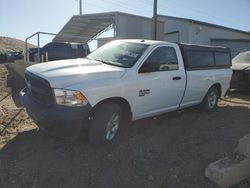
8 44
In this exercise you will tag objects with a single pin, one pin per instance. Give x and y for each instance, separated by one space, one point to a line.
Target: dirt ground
170 151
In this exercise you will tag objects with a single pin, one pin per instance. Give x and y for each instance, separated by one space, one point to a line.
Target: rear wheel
105 124
210 101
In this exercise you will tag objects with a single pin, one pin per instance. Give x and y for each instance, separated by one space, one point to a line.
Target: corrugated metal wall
136 27
236 46
183 30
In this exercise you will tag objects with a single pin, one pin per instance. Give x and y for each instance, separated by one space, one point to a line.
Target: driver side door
160 83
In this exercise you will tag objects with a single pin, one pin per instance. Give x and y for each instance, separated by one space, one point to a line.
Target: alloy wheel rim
212 99
112 127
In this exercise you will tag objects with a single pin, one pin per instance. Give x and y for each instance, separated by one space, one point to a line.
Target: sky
21 18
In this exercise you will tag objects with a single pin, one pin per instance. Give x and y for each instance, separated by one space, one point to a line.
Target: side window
222 58
200 59
161 59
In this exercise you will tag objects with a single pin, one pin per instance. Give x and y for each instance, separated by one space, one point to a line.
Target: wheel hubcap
112 127
212 99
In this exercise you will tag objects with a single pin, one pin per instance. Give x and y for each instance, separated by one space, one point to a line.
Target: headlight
69 97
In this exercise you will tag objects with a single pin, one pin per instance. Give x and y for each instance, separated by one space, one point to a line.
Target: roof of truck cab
150 42
145 41
181 45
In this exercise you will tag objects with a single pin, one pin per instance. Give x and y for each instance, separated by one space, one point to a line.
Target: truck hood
240 66
64 73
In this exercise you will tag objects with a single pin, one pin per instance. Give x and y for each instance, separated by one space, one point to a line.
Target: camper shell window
197 57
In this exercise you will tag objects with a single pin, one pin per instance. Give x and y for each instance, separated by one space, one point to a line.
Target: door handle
177 78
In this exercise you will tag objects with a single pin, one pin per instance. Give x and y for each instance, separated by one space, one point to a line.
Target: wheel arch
218 87
123 103
204 104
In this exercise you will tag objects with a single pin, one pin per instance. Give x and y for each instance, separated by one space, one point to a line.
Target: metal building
197 32
236 45
84 28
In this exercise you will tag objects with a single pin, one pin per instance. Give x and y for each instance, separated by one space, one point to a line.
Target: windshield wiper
102 61
108 63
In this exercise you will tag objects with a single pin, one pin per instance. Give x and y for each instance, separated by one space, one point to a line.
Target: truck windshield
119 53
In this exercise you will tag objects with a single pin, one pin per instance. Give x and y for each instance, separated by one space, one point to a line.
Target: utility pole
155 20
80 6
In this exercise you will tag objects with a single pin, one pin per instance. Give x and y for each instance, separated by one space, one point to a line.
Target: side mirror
149 67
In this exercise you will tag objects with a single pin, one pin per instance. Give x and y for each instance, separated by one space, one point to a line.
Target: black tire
101 129
210 101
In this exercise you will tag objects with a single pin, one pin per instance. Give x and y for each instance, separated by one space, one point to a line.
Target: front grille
39 88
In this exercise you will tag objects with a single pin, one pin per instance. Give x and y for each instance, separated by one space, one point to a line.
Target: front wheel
210 101
105 124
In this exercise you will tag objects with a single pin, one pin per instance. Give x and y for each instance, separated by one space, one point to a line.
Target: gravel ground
13 118
168 151
243 184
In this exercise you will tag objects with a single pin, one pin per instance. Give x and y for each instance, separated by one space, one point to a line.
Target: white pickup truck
124 79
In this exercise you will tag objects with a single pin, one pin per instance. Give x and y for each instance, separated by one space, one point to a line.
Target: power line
121 5
95 5
200 12
187 8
